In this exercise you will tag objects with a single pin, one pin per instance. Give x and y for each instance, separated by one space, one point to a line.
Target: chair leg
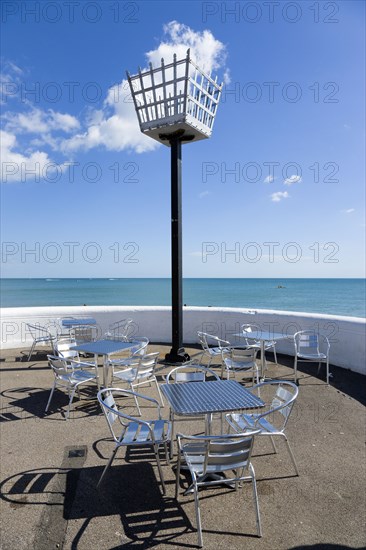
327 367
136 401
50 397
291 454
198 512
172 436
273 444
108 465
31 350
166 452
256 505
295 369
177 475
275 354
70 401
159 392
156 451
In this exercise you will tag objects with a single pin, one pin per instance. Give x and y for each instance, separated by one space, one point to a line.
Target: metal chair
134 430
273 421
252 343
140 371
241 360
221 346
63 332
209 455
84 333
135 353
120 329
69 377
189 372
307 349
62 348
40 335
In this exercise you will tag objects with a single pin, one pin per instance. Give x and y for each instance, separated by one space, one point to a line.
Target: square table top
261 335
104 347
193 398
69 323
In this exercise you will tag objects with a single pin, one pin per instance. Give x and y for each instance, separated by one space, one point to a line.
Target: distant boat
280 286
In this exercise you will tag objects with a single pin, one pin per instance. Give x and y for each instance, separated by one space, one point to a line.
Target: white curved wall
346 334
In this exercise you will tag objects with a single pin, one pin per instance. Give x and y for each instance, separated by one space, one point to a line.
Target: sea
330 296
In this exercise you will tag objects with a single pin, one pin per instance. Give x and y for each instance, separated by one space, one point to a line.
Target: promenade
50 468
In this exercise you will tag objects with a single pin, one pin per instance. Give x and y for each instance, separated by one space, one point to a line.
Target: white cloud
277 197
209 54
115 126
268 179
292 179
18 167
204 194
9 80
348 211
37 121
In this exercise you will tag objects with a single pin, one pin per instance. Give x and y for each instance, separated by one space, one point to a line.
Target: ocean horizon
319 295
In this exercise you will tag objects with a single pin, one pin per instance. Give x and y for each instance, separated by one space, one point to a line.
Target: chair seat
312 356
245 421
77 376
128 375
138 434
128 362
218 351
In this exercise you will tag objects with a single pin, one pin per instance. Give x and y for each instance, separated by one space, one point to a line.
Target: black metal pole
177 353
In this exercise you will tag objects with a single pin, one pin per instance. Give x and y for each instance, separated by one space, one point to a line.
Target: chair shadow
131 492
35 399
346 381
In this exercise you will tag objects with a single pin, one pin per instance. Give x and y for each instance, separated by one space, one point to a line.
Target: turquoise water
333 296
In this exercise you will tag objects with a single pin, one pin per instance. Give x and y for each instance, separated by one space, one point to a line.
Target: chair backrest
141 347
229 452
250 327
243 355
204 338
120 328
63 346
38 331
283 400
190 373
147 364
59 366
109 408
84 333
113 412
306 341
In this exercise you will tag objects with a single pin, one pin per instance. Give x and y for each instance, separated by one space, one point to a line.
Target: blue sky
277 191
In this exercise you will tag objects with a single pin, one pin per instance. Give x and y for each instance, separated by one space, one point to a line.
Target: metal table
105 348
262 337
205 398
195 398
